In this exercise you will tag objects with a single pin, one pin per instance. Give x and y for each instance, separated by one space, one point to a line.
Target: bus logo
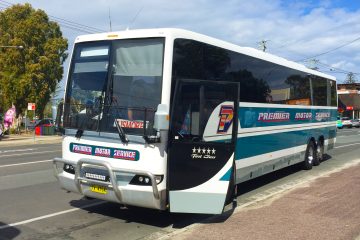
82 149
226 118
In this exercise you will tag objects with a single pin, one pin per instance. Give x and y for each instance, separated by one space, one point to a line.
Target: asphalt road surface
32 205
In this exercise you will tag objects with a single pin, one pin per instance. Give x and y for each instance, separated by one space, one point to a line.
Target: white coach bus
171 119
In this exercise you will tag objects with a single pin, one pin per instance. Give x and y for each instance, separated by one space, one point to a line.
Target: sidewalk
328 208
26 138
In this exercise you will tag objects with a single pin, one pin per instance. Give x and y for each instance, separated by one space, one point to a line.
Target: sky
316 33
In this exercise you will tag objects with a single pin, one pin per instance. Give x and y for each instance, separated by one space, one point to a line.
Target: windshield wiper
80 130
121 132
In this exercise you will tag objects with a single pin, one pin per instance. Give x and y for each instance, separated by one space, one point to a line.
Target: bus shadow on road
162 219
8 232
131 214
261 181
256 183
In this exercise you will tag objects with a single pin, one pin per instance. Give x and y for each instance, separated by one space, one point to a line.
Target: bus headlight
69 168
145 180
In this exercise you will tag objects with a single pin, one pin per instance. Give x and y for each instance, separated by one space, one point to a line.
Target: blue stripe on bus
256 145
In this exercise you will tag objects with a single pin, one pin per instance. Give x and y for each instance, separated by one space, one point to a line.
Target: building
349 100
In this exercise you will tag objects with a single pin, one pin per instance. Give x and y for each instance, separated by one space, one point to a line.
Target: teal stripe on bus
256 145
227 175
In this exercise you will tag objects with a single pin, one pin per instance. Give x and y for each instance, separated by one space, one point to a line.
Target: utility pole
110 20
312 64
262 45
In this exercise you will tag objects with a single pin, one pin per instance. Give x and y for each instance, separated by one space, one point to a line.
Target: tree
350 78
32 73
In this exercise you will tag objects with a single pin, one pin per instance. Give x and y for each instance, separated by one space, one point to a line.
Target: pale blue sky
295 30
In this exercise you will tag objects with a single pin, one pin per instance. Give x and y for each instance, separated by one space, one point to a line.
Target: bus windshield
114 81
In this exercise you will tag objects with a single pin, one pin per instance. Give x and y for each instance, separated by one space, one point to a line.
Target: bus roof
181 33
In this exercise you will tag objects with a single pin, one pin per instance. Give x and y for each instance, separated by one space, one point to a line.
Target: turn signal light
69 168
145 180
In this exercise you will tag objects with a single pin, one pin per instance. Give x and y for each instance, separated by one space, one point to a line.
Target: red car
47 122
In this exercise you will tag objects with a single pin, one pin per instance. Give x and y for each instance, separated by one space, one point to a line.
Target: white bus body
149 118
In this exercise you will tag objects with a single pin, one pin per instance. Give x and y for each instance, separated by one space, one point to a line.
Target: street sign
31 106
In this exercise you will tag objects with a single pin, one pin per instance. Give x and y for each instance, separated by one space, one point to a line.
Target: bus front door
203 133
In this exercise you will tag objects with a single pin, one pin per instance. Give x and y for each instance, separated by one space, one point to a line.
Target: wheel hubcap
320 151
310 156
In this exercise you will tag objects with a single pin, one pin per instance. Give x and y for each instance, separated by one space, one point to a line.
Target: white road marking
348 145
21 154
26 163
18 150
50 215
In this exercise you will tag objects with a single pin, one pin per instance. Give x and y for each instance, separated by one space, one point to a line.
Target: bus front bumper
115 190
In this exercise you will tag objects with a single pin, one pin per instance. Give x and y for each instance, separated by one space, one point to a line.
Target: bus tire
319 153
310 154
231 189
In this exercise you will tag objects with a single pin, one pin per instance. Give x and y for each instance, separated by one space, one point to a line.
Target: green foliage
47 110
32 73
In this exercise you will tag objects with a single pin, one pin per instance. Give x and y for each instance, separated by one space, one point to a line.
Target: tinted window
87 84
114 81
319 86
260 81
195 103
333 93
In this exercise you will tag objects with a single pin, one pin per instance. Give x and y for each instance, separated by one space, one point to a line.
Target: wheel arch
312 139
321 140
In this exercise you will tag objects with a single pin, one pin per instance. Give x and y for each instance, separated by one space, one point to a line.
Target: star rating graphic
204 150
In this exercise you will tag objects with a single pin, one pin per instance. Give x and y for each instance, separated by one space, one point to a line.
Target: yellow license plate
98 189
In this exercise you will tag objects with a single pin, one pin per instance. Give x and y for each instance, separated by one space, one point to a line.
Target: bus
173 120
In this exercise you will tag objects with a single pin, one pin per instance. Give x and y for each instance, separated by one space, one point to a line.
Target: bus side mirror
161 121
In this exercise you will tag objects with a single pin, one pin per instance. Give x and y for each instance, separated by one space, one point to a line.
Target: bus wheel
319 153
231 193
310 155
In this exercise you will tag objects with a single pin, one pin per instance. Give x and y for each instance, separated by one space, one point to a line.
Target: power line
65 23
134 19
321 63
331 50
328 30
339 70
76 24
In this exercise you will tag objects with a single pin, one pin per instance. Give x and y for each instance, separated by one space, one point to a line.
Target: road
32 205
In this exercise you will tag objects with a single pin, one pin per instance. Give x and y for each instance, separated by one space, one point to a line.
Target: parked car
31 125
355 123
46 122
339 123
346 122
